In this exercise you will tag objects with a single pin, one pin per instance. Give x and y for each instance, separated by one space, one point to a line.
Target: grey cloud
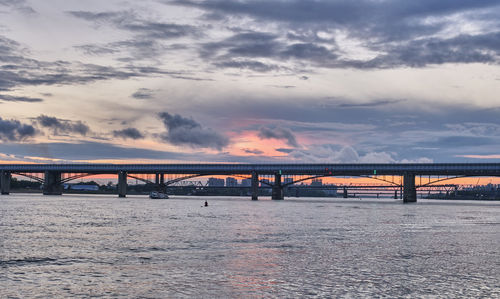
253 65
253 151
459 141
96 50
278 133
244 44
9 98
369 104
62 126
481 48
235 51
129 21
337 12
148 35
283 86
284 150
307 51
20 5
327 153
475 129
186 131
190 78
86 151
17 70
131 133
140 48
143 94
14 130
398 30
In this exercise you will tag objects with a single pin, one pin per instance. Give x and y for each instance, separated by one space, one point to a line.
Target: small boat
157 195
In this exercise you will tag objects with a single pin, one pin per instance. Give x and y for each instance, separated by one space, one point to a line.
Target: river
84 246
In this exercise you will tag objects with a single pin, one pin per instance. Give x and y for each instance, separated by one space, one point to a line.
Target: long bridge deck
53 180
286 169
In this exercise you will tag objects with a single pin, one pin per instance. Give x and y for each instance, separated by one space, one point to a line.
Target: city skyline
249 81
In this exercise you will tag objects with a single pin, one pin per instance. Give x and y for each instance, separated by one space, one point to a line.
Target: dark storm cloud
143 94
400 31
14 130
131 133
60 126
280 134
186 131
9 98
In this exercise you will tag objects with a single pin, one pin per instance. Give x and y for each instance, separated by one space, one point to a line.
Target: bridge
54 175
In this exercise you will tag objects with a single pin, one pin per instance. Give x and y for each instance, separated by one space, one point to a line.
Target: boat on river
157 195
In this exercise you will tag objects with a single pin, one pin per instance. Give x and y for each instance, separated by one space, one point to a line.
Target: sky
249 81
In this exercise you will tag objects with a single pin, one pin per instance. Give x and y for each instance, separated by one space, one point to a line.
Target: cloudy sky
250 80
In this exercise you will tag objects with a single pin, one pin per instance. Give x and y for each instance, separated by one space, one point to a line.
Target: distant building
231 182
317 182
288 181
215 182
81 187
246 183
265 183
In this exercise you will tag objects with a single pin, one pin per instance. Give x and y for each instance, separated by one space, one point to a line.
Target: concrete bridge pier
409 189
160 181
277 191
5 182
52 183
122 184
345 193
255 186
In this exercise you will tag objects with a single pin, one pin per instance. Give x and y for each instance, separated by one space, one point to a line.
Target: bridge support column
345 192
52 183
395 194
122 184
255 186
5 182
409 189
277 191
160 181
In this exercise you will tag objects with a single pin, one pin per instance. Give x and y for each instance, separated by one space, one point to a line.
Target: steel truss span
469 169
53 173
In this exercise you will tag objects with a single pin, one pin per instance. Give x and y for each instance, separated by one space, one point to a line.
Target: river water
84 246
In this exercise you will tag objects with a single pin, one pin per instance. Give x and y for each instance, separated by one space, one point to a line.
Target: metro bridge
54 175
